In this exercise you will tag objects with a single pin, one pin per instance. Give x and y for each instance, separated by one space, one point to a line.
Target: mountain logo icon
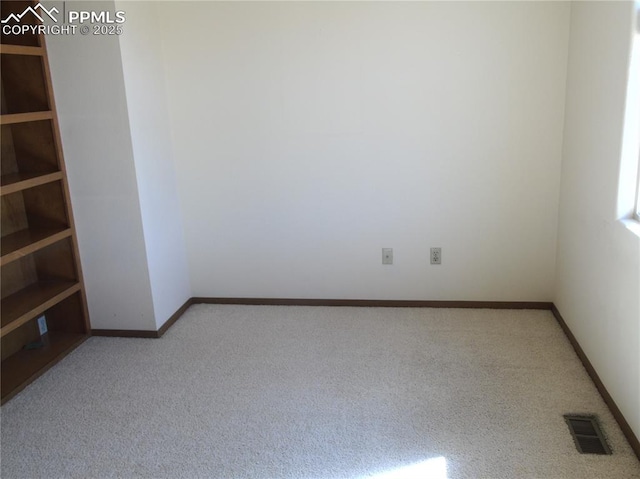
34 11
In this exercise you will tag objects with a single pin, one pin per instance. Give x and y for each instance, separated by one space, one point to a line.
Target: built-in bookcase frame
41 273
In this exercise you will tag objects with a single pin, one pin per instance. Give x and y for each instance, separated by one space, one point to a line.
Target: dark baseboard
174 317
125 333
611 404
374 303
370 303
367 303
137 333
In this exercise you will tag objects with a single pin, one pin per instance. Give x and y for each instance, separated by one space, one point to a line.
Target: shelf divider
13 118
21 181
9 49
25 242
32 301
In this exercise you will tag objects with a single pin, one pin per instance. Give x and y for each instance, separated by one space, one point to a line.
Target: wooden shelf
14 182
25 242
23 367
32 301
21 50
25 117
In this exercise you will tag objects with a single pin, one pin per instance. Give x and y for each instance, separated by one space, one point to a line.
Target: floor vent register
587 434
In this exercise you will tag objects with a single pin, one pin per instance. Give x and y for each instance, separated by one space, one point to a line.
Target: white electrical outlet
387 255
436 255
42 325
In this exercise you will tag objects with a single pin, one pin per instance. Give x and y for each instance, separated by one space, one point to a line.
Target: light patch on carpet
434 468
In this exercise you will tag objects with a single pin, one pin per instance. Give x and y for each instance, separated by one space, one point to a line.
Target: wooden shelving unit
41 274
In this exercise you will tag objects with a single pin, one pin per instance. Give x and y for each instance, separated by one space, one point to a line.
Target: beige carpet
314 392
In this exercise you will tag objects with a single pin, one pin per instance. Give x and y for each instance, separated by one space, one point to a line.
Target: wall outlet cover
436 255
42 325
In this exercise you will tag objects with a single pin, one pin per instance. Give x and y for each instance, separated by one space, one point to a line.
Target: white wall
112 108
598 271
310 135
143 68
92 111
